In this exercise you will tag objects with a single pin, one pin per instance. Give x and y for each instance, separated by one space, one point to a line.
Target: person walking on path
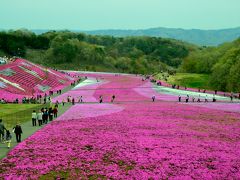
187 98
8 138
179 98
50 114
34 118
18 132
100 99
2 128
153 98
73 101
199 98
231 97
39 117
55 112
45 116
206 98
113 98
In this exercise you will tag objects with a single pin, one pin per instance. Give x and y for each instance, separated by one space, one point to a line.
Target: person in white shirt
34 118
39 117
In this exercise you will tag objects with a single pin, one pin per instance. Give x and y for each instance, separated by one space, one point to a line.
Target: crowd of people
6 60
199 99
44 115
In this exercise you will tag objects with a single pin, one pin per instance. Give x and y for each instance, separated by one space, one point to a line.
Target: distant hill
195 36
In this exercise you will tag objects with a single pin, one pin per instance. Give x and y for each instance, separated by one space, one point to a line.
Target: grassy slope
190 80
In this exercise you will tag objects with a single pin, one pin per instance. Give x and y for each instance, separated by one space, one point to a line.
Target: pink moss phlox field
90 110
147 90
139 139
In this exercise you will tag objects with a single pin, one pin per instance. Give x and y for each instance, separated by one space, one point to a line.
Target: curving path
133 138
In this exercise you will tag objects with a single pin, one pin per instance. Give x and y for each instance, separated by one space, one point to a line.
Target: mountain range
195 36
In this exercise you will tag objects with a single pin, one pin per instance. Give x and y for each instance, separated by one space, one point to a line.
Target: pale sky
119 14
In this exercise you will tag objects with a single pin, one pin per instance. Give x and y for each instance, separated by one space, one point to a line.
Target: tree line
80 51
222 63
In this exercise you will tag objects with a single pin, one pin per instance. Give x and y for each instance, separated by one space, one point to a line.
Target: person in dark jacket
2 128
50 114
18 132
55 112
113 98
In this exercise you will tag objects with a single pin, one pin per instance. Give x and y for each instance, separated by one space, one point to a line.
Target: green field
17 113
188 80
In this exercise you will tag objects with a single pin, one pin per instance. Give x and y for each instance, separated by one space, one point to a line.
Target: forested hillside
195 36
145 55
69 50
222 63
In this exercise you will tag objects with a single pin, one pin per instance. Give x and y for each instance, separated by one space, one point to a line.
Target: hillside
78 51
195 36
222 63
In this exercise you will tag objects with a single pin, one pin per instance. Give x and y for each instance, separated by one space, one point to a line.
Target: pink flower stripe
89 110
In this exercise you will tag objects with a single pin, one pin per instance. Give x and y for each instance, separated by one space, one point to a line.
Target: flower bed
140 140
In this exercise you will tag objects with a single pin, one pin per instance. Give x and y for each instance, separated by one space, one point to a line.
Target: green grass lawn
17 113
189 80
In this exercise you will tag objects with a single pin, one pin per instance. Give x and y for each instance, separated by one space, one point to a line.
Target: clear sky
119 14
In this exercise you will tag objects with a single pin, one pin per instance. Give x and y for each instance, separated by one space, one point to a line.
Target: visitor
63 102
179 98
231 97
153 98
8 138
215 91
56 104
50 114
214 99
206 98
187 98
39 117
100 99
73 101
45 116
199 98
49 99
18 132
113 98
55 112
2 128
81 99
193 99
34 118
